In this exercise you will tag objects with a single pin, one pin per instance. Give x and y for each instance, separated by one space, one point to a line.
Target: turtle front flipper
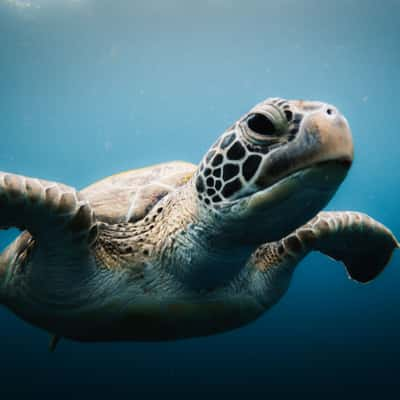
364 245
46 209
59 219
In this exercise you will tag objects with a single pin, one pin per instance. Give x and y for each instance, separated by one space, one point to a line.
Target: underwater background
90 88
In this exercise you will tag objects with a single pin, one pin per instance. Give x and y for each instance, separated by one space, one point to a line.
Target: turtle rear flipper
364 245
59 219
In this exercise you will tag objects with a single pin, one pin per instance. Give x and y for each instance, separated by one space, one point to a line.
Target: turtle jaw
274 212
324 177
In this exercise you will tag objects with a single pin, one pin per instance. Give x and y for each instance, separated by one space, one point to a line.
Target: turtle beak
324 136
333 134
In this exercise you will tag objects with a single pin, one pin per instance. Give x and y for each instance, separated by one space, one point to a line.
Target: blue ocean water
89 88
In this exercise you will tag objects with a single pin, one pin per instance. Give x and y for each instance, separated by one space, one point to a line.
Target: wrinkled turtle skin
178 250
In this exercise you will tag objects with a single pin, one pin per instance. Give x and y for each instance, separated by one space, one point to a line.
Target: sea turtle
176 250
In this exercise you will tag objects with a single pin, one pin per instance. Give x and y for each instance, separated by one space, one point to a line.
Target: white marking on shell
135 197
131 206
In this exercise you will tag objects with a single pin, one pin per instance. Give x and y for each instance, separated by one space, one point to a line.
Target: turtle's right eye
261 125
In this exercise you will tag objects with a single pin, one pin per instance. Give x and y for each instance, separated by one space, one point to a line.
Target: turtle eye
261 124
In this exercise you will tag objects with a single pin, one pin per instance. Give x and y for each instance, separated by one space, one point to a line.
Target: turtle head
275 168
